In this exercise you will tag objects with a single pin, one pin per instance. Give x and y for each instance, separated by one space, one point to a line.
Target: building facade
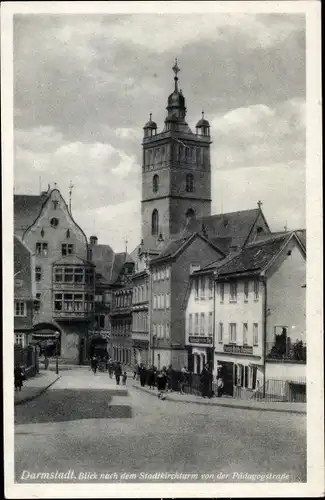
64 277
24 292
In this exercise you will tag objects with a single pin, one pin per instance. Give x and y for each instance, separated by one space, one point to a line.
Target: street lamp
57 335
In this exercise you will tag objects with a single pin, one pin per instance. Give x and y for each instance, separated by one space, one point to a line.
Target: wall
23 283
199 251
285 371
239 312
286 299
199 306
54 237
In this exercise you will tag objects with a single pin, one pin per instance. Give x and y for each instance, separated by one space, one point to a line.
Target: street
85 424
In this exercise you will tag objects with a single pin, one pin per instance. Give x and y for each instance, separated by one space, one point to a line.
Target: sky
84 86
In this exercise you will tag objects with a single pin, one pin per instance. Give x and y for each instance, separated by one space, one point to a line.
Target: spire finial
259 204
150 116
202 115
176 71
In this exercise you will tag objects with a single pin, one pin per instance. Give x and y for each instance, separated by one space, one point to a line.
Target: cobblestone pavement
73 427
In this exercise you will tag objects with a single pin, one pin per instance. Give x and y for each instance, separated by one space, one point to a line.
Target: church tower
176 172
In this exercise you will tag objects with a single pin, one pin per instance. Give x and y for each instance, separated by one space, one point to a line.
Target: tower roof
203 122
176 100
150 124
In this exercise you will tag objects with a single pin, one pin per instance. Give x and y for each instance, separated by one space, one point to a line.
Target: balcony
286 351
72 315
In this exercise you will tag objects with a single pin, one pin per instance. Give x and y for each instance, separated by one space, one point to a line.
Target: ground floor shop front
242 376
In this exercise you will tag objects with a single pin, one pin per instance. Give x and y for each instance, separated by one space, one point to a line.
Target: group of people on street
167 379
113 367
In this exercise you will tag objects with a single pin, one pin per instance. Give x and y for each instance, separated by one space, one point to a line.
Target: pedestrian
19 377
46 362
161 383
110 368
118 372
206 382
124 378
135 371
220 386
142 374
94 364
170 378
183 379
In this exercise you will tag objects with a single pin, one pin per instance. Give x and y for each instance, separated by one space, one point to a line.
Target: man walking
118 373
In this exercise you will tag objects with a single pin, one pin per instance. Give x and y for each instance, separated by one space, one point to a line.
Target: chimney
93 240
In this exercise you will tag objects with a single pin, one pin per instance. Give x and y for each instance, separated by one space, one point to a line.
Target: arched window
189 183
190 214
155 183
154 222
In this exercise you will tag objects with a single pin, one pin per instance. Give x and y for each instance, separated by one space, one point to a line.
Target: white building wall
285 371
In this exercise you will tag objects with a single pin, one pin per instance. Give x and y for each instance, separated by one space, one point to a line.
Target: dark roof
103 257
100 280
119 260
235 225
254 257
173 246
26 209
72 260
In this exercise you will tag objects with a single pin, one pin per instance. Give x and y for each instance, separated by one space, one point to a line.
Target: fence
273 390
27 358
292 391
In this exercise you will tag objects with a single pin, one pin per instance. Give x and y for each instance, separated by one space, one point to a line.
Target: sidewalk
300 408
35 386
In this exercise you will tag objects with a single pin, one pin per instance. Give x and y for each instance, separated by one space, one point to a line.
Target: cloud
258 134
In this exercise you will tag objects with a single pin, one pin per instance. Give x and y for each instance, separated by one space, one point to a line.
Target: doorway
227 374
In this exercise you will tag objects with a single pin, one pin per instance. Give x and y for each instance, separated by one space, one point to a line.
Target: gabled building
259 298
140 308
64 277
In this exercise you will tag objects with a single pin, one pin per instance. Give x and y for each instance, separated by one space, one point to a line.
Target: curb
39 393
226 405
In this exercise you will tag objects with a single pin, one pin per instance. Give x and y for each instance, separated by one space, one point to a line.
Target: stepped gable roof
26 209
253 258
72 260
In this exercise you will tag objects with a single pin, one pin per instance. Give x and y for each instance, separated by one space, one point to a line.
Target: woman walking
142 374
118 372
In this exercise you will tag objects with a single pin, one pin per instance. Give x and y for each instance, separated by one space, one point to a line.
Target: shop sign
200 340
238 349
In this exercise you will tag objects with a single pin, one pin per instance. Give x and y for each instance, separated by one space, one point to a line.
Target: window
101 321
190 324
162 330
232 333
41 249
210 288
38 273
37 302
20 309
78 275
167 301
67 249
167 331
163 301
222 292
255 334
210 326
220 333
256 290
246 291
58 274
233 291
196 287
202 287
194 267
89 302
154 330
245 333
155 183
196 324
58 301
54 222
20 339
68 275
202 324
155 222
89 276
252 372
167 272
155 302
239 373
68 302
189 183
